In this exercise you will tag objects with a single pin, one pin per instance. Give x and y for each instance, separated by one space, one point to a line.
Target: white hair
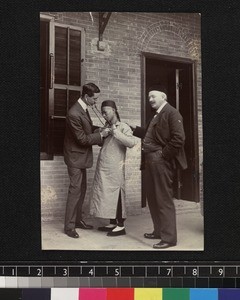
164 96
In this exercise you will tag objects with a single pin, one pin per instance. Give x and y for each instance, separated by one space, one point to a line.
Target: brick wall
117 71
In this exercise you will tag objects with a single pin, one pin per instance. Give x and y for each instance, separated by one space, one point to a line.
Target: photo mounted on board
121 131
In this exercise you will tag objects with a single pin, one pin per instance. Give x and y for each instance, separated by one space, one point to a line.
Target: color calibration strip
119 294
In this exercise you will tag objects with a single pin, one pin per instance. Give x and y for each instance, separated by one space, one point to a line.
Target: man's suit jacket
168 131
79 138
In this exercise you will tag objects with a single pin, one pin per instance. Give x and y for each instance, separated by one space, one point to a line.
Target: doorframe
144 56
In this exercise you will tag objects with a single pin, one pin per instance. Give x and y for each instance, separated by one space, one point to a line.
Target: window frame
49 155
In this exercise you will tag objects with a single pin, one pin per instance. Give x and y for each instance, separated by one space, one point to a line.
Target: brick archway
192 45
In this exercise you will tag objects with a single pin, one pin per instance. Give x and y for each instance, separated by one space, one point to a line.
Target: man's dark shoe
117 233
72 233
83 225
163 245
151 236
106 229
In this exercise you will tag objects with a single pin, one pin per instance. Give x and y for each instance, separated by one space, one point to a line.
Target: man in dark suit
78 156
163 151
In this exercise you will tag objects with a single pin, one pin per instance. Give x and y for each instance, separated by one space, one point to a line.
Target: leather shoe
72 233
151 236
163 245
83 225
106 229
117 233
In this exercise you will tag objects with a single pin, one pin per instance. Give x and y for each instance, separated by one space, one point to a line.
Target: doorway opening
177 76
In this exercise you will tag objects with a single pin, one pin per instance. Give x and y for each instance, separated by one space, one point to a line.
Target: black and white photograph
121 158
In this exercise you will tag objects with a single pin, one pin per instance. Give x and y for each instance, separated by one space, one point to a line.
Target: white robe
109 177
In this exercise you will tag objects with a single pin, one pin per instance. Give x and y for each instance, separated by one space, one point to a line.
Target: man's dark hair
89 89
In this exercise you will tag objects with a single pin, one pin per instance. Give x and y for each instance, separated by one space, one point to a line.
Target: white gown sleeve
124 135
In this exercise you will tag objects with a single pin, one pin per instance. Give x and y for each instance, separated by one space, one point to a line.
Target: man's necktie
88 114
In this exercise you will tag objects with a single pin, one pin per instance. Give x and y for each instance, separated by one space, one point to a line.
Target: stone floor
189 226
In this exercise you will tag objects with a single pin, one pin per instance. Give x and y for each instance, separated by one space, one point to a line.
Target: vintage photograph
121 157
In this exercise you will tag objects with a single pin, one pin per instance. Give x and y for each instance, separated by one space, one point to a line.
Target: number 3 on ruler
65 272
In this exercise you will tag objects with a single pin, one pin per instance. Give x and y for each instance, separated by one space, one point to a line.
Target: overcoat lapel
159 115
157 118
83 113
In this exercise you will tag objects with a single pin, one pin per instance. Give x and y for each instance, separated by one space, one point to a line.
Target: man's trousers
159 190
76 195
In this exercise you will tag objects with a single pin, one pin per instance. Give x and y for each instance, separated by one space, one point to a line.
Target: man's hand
112 128
104 132
133 126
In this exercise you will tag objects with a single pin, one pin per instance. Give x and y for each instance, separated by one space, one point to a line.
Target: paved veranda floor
189 228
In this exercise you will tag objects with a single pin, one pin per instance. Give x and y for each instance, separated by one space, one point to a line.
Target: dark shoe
163 245
106 229
117 233
151 236
72 233
83 225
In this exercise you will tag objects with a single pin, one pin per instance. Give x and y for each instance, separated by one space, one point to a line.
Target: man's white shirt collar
161 107
83 104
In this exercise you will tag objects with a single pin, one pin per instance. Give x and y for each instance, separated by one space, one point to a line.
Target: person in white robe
108 192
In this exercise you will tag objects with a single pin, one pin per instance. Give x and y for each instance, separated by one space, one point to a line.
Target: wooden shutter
67 79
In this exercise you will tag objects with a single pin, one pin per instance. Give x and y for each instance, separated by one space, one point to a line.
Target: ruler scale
115 274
